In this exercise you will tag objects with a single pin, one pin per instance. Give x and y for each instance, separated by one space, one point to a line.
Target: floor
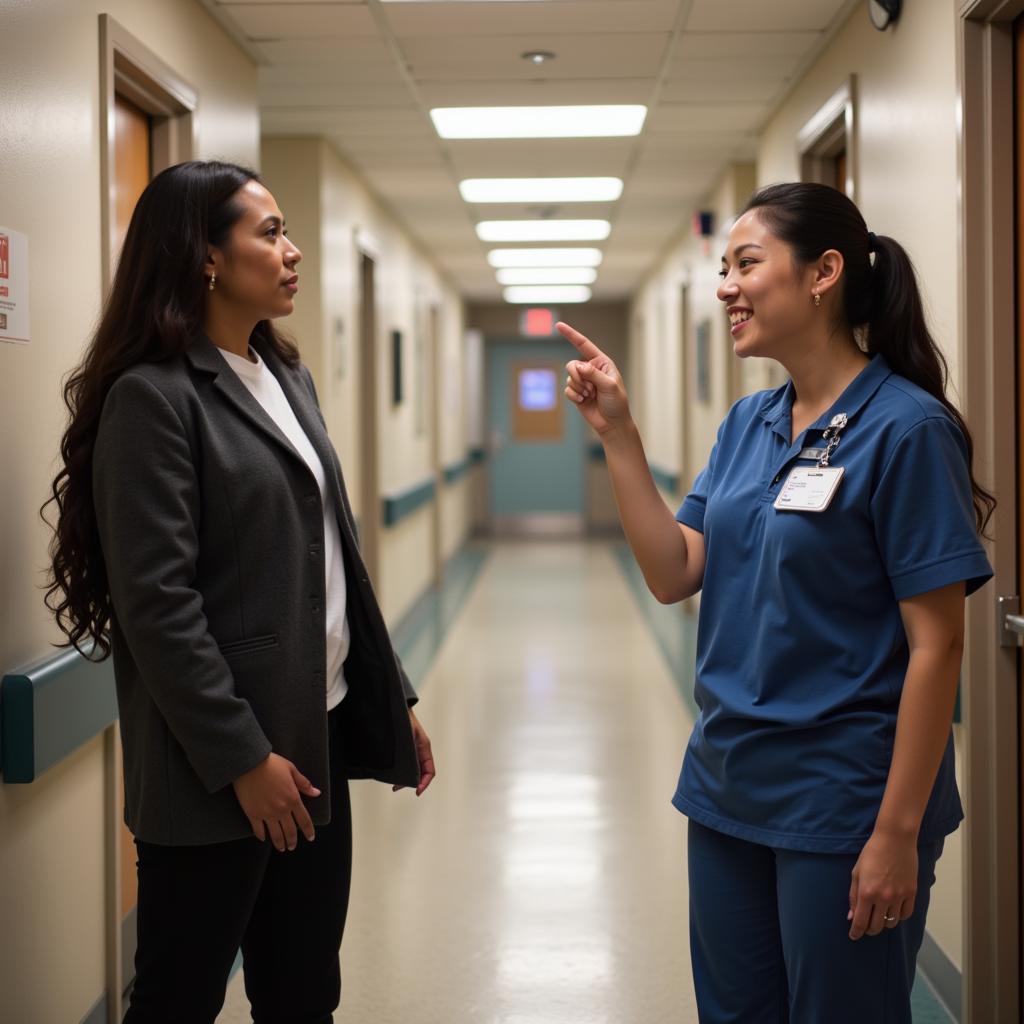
541 879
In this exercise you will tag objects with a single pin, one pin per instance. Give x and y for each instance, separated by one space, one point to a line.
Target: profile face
767 297
256 274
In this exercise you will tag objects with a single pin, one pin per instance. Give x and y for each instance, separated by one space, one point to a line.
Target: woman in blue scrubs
834 536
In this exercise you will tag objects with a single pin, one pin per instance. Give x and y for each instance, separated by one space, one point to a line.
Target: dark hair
154 312
881 296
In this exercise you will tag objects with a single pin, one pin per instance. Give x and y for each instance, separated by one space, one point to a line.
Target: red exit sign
537 322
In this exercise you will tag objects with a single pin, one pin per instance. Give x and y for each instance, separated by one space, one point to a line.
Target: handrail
49 708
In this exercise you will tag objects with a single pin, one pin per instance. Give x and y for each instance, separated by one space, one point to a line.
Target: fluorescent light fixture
541 190
538 122
545 257
548 293
543 230
547 275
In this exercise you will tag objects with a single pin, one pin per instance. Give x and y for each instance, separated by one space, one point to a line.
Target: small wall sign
13 286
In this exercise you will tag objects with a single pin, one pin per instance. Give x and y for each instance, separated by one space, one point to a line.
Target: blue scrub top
801 651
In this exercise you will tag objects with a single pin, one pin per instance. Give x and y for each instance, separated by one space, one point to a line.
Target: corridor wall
329 209
52 833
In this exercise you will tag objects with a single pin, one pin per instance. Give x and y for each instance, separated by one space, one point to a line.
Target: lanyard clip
831 434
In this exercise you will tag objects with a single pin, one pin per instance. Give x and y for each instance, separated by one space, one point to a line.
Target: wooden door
132 172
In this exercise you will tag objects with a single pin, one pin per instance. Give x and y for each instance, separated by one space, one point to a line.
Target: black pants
199 904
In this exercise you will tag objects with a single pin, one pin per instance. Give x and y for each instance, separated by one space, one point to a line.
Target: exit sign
537 322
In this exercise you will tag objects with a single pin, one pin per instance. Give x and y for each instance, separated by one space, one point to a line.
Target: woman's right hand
271 797
594 384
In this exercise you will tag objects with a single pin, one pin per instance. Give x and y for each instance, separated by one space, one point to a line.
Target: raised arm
670 555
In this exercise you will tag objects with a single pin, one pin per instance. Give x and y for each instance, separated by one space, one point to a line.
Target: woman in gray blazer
205 539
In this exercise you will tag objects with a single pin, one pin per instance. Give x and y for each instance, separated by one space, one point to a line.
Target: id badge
809 488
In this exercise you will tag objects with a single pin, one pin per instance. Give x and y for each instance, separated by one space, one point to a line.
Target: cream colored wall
678 430
51 833
906 187
326 204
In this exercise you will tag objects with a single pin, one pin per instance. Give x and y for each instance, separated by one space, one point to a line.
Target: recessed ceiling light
547 275
541 190
549 293
543 230
544 257
538 56
538 122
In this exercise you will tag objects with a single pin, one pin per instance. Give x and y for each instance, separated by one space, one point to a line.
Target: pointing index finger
586 347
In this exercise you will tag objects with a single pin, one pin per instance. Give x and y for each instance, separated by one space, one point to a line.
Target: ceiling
365 73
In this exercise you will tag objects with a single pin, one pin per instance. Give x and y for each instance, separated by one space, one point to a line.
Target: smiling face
769 298
256 278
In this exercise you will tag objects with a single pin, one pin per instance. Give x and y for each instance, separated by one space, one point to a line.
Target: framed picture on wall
702 352
396 367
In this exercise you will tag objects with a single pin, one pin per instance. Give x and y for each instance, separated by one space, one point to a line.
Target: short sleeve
691 512
923 513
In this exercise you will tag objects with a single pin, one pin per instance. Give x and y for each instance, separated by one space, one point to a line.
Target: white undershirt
264 387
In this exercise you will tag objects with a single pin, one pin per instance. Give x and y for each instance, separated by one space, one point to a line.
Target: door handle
1010 622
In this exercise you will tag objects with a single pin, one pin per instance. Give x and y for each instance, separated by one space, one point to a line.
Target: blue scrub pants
769 938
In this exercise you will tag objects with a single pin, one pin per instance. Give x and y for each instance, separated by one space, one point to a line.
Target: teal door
537 440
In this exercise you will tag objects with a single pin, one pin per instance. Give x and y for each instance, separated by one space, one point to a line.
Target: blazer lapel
204 355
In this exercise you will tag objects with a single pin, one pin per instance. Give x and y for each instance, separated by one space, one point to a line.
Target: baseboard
98 1014
941 973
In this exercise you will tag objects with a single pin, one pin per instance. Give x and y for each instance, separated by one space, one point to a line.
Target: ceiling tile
539 158
682 119
498 57
298 20
758 16
334 96
733 45
417 19
543 92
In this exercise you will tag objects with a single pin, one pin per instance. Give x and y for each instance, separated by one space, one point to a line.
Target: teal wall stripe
478 454
596 452
50 708
457 470
397 506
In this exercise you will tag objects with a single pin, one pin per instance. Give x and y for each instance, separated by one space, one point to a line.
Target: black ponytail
880 296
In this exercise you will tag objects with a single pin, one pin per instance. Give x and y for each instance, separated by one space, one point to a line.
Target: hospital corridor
512 512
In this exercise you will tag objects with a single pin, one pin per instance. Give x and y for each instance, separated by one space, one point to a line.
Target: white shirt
264 387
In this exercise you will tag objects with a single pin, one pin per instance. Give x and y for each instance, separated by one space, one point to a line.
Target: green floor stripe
419 635
675 631
676 634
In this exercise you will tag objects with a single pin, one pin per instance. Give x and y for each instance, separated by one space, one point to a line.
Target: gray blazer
212 532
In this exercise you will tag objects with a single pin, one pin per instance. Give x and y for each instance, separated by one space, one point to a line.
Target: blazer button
314 550
316 608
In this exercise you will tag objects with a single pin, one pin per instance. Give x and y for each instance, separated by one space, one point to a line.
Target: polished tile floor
541 879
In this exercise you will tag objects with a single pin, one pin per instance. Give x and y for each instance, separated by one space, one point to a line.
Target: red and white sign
14 320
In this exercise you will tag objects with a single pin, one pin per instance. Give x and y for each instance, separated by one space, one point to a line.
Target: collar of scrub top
857 394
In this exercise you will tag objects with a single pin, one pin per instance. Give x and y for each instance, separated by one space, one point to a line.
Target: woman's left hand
884 884
423 753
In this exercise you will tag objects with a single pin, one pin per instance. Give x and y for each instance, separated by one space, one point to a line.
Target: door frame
368 506
987 284
131 69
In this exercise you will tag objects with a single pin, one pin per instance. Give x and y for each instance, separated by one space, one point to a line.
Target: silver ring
889 918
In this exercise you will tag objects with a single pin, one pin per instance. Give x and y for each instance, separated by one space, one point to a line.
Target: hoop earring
213 279
817 297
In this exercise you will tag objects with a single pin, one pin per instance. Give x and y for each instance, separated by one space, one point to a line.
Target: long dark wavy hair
154 312
880 296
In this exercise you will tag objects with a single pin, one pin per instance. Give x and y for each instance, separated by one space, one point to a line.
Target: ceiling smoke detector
538 56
